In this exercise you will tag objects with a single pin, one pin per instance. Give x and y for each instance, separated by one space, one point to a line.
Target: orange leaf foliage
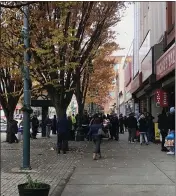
101 80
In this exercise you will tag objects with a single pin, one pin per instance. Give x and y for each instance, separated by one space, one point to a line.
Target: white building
153 36
149 28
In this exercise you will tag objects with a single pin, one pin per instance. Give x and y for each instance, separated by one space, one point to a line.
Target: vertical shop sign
158 97
164 99
161 98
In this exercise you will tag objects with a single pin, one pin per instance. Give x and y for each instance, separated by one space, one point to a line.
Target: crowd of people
140 128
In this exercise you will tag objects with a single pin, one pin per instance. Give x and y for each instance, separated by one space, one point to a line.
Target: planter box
44 191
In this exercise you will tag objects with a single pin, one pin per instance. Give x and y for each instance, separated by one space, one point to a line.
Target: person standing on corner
54 125
35 125
62 134
143 129
114 128
132 127
12 129
163 127
48 124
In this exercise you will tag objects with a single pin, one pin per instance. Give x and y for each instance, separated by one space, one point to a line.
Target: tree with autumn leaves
65 38
101 80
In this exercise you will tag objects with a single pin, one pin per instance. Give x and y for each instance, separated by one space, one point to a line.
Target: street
125 170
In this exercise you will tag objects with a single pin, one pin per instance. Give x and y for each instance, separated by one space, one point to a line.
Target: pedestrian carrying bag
101 132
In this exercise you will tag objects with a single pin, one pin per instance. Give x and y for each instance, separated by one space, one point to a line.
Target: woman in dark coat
143 129
94 134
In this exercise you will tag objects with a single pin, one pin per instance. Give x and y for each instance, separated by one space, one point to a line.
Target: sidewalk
49 167
125 170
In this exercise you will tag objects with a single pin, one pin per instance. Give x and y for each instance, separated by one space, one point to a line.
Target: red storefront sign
166 63
161 98
136 83
128 74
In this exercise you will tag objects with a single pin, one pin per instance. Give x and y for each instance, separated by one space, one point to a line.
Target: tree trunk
60 111
61 105
60 102
8 131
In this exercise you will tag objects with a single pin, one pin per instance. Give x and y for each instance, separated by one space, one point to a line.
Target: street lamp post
26 107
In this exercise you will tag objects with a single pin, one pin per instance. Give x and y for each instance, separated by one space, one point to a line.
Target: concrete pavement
125 170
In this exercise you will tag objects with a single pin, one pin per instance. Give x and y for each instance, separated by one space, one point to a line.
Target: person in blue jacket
94 134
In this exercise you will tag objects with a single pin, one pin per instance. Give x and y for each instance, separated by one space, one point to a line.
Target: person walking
48 124
143 129
54 125
62 134
132 127
35 126
94 133
121 123
163 125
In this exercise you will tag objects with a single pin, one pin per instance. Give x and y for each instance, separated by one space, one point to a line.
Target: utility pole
27 94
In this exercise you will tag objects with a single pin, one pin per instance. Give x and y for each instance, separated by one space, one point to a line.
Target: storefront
165 76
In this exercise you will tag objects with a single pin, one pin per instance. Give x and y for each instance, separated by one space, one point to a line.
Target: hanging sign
161 98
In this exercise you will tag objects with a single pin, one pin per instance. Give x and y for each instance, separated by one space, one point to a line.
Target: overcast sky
125 30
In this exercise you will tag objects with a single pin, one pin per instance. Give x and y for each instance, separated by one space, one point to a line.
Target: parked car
3 125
